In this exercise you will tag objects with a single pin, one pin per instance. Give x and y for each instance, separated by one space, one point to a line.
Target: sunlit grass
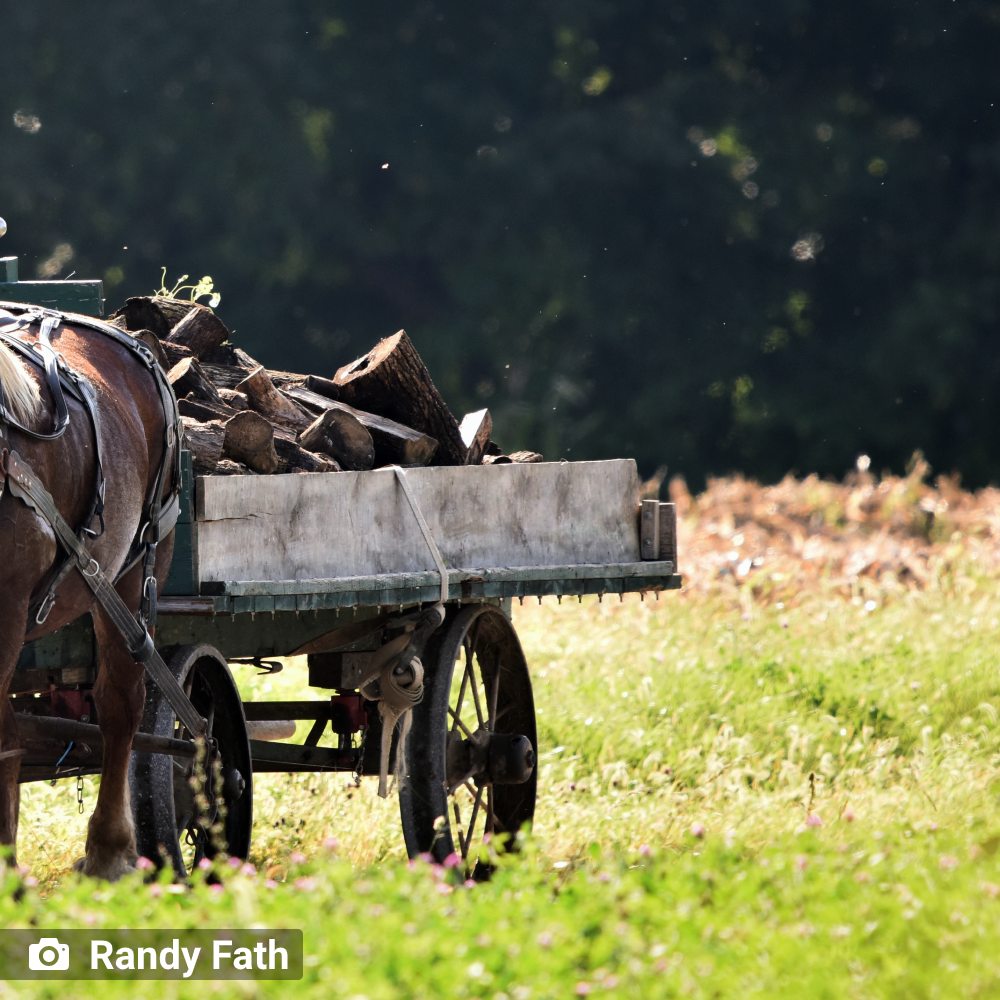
735 798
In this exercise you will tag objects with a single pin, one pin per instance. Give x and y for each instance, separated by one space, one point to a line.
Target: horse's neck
19 388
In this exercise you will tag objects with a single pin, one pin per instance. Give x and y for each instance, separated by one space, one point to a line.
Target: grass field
739 796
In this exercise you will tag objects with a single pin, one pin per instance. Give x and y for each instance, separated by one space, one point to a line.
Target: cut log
324 386
476 429
200 331
227 366
249 438
151 312
395 443
187 377
266 399
234 399
190 406
343 437
295 458
315 383
227 467
204 440
173 353
393 381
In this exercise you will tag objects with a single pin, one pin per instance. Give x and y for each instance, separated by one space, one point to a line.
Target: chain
79 793
359 758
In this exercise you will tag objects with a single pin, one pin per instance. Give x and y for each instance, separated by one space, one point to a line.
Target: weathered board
344 524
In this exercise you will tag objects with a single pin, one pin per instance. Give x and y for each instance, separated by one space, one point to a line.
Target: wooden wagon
366 576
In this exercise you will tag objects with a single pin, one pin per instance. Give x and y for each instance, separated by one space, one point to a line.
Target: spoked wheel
189 809
471 751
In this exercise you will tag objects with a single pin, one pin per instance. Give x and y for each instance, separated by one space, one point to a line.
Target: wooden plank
331 526
658 530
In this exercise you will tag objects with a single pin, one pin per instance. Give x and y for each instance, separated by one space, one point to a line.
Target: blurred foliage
711 236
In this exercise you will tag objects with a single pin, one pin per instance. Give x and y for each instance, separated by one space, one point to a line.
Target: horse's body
132 423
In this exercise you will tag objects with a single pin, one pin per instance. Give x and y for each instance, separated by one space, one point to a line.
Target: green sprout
204 288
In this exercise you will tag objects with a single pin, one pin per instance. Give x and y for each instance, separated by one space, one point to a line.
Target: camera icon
48 954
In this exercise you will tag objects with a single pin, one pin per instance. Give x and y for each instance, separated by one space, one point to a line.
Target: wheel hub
490 758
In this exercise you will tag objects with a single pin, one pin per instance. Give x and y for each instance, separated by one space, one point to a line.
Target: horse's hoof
110 869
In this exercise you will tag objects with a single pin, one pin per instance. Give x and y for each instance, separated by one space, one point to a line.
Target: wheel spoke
494 697
459 723
461 694
462 845
472 822
474 685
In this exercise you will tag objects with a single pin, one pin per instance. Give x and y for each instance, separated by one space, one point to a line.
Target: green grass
735 800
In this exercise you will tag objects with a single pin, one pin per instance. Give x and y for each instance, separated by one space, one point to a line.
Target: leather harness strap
25 485
158 517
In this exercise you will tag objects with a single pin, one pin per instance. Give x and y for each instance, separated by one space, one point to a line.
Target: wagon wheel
177 812
471 749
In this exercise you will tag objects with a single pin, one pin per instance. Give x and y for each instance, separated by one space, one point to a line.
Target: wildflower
697 830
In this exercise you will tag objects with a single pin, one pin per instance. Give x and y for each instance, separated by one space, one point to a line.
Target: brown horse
132 441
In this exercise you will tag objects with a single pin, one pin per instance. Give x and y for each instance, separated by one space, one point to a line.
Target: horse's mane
20 390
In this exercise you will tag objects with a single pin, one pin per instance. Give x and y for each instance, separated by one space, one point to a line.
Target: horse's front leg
118 697
13 617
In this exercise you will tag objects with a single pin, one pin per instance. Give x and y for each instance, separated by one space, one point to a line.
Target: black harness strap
158 518
25 485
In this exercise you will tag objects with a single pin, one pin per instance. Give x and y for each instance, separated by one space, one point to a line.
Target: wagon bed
351 539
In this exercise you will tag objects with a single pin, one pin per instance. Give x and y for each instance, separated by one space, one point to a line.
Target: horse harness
158 517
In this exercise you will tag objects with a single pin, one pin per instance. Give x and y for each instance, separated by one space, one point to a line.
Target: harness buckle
45 608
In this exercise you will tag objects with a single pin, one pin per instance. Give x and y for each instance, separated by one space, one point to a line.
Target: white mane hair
19 389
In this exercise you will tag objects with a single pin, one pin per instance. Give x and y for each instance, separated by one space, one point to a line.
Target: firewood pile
240 417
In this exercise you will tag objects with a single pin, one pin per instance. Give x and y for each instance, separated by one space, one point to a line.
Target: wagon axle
489 758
